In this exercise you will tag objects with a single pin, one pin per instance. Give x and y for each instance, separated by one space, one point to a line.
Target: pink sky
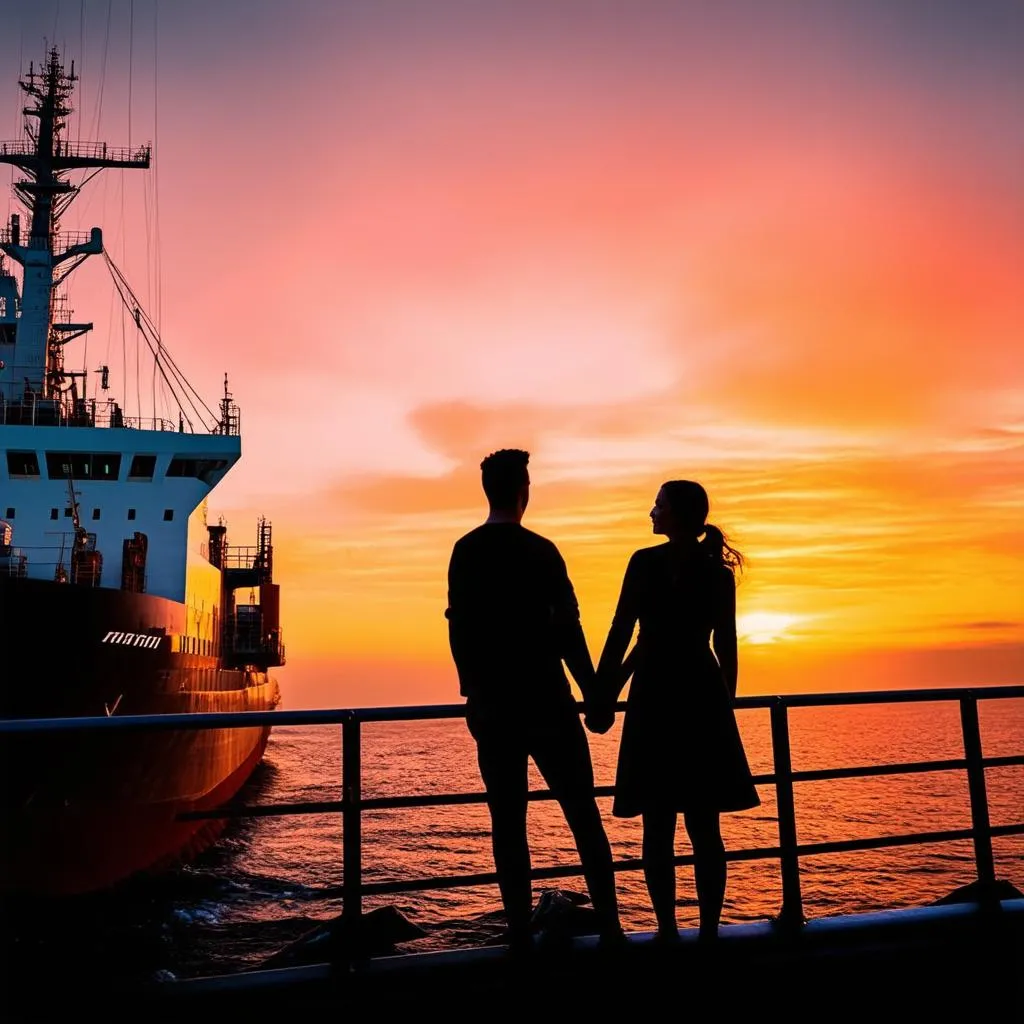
774 247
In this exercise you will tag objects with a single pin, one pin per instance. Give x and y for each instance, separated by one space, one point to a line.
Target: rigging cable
131 46
81 58
126 294
17 119
124 356
183 392
148 222
124 349
104 194
138 384
98 109
123 225
110 328
157 264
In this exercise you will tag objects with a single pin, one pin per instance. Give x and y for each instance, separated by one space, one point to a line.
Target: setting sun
764 627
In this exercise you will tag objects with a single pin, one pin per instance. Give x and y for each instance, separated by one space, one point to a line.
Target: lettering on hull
133 639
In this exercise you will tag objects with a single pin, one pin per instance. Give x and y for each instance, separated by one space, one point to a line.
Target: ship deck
962 962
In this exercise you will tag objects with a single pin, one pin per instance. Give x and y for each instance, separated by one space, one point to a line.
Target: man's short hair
503 474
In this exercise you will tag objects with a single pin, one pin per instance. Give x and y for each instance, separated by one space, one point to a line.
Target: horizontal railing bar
376 803
537 874
466 881
263 810
897 768
807 700
1007 830
635 864
789 699
1009 761
864 771
425 712
454 799
911 839
198 720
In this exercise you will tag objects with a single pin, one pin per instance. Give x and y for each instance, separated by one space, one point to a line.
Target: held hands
599 716
599 707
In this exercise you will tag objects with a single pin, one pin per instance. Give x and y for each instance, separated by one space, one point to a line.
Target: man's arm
462 637
572 644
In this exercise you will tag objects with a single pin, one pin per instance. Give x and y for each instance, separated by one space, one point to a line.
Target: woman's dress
680 746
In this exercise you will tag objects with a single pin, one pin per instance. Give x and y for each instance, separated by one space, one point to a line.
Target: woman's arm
628 665
612 672
723 637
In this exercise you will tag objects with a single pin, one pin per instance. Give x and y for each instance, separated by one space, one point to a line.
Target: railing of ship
54 241
80 150
788 851
243 556
45 412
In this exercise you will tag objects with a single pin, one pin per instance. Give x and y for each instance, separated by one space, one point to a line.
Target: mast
34 371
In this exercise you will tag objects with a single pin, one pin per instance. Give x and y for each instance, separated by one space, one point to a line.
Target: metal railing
789 851
48 412
53 241
64 148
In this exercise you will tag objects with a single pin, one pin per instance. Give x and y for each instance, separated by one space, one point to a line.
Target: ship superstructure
106 549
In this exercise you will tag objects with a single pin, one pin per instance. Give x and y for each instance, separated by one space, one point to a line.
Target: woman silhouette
680 750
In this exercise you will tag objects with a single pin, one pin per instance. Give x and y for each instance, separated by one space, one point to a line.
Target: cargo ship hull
85 811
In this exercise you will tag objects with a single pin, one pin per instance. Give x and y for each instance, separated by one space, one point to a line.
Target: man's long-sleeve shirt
513 617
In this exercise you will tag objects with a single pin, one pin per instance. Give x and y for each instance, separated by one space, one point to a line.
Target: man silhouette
513 619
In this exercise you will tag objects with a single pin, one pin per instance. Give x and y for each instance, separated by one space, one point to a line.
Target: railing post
792 912
981 827
351 820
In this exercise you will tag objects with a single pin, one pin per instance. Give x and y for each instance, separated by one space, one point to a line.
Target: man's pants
557 742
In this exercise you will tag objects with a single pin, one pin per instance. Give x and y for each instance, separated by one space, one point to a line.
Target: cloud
992 625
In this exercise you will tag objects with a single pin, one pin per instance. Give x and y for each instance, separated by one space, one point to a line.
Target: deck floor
962 962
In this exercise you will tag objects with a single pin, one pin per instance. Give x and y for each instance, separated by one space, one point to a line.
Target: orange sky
775 247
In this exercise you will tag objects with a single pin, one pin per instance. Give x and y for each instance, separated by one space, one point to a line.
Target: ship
118 593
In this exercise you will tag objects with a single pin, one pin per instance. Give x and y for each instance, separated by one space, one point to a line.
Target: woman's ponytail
718 550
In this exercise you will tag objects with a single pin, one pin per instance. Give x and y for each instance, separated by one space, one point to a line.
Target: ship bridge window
201 469
83 465
61 465
106 467
142 467
22 464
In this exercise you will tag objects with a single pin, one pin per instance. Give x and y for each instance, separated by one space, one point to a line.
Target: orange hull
83 811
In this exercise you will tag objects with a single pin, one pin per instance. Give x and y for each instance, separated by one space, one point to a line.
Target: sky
777 248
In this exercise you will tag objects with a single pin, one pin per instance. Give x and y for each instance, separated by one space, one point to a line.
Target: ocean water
263 886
